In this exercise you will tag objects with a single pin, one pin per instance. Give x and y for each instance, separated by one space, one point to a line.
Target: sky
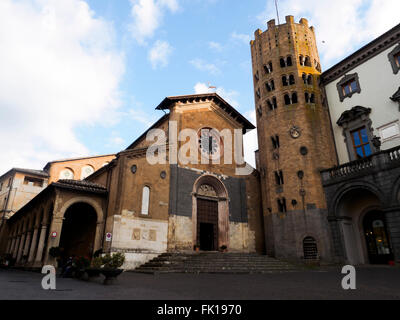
82 78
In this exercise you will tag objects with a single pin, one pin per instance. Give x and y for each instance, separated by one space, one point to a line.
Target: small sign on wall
54 234
108 236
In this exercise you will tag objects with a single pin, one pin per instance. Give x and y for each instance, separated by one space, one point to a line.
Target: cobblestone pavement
372 283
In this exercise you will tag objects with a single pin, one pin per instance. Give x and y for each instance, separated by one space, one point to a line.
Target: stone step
214 262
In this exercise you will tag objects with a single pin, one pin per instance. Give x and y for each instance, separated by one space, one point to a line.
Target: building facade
20 186
363 191
327 184
150 204
293 129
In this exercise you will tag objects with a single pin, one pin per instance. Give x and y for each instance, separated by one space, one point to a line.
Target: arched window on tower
312 98
294 98
289 62
301 60
310 79
282 205
268 68
272 85
307 62
274 102
282 63
268 87
307 97
284 81
145 200
270 105
304 77
291 80
287 100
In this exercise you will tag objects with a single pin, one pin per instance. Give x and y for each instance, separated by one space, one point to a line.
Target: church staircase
215 262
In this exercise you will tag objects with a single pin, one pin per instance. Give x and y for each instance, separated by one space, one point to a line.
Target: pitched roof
79 158
80 185
40 173
166 103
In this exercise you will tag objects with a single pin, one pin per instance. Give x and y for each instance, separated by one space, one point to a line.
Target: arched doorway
376 237
210 214
79 230
352 209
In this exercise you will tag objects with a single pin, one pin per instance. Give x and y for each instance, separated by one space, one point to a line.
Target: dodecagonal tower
295 139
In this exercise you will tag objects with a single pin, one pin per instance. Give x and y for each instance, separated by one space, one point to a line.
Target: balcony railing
379 161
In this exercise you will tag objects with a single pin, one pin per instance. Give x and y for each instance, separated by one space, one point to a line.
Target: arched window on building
294 98
307 62
310 248
310 79
289 62
284 81
86 171
287 100
274 102
66 174
291 80
301 60
145 200
282 63
304 77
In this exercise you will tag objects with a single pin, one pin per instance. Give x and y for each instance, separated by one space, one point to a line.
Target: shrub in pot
111 266
95 267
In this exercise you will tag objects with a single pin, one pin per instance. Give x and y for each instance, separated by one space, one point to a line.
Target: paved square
323 283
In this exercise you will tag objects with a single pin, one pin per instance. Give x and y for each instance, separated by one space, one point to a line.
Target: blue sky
84 77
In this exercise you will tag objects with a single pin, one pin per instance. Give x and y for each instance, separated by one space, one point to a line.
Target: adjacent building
363 192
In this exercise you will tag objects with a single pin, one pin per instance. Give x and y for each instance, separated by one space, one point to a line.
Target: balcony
378 162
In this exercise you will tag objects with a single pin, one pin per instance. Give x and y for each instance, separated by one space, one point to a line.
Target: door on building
377 239
207 224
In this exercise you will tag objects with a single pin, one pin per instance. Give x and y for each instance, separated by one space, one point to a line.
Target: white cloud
245 38
215 46
229 96
205 66
59 70
344 25
159 54
147 17
115 141
141 117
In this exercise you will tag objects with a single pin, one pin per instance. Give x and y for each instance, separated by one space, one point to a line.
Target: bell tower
295 139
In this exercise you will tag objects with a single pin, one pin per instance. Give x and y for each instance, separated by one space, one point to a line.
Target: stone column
392 224
39 252
55 226
33 245
15 250
9 244
98 237
21 247
27 243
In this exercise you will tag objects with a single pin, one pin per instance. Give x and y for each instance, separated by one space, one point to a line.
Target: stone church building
326 185
146 209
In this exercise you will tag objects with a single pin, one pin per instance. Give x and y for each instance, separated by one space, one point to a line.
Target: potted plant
80 264
94 270
111 265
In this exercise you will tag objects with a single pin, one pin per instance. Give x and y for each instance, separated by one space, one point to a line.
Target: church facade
326 187
142 207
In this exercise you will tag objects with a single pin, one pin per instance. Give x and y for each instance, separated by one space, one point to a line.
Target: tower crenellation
294 135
